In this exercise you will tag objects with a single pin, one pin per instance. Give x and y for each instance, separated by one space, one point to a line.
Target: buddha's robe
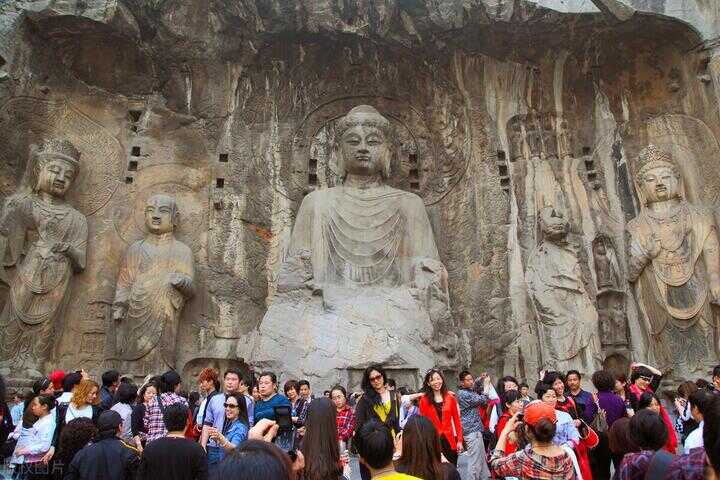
149 328
40 288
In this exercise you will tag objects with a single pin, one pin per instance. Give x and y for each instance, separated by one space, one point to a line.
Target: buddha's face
159 213
660 184
364 150
553 223
56 176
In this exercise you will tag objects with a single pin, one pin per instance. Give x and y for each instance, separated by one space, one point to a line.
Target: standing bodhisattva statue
155 280
43 242
675 266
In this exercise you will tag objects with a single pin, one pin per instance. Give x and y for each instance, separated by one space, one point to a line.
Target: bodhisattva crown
62 148
653 157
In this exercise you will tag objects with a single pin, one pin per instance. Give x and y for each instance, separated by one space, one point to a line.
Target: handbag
590 439
599 423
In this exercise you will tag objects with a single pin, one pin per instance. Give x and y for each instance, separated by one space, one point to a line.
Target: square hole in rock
128 180
133 165
223 158
135 151
415 185
220 182
312 179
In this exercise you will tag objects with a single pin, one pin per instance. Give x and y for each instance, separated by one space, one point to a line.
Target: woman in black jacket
377 403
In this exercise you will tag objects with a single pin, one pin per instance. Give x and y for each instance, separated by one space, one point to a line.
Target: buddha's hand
653 246
180 281
119 310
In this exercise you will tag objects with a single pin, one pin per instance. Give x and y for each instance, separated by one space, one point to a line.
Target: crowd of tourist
239 426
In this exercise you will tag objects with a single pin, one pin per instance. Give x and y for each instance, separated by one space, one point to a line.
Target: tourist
326 394
716 381
505 383
18 408
110 383
172 456
408 404
376 446
512 404
643 378
84 403
304 390
214 414
525 393
649 432
698 401
235 429
208 385
170 384
75 436
108 457
421 454
376 403
441 408
471 396
125 396
344 415
139 431
69 383
620 442
43 386
564 403
584 401
57 377
255 393
649 400
320 445
566 434
622 390
6 420
542 459
256 460
297 402
702 464
684 422
269 397
35 440
601 456
245 389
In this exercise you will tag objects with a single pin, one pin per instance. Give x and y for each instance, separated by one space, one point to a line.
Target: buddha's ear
176 218
340 158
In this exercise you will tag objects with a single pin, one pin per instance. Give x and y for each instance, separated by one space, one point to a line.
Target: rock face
497 108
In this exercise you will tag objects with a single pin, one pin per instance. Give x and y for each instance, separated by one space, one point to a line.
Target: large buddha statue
156 279
361 280
675 265
43 244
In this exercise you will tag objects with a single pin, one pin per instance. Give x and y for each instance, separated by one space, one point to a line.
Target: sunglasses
647 379
230 405
375 378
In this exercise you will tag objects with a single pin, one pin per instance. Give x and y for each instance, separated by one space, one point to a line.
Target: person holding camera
542 459
234 429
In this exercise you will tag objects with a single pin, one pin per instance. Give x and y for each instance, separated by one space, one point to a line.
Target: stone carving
675 266
362 280
43 243
567 319
155 280
604 269
610 297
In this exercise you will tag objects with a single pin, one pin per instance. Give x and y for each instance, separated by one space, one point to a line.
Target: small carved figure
604 269
567 318
675 265
43 242
156 279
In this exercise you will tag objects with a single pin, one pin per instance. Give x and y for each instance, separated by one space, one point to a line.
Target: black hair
463 374
291 384
110 377
273 377
603 380
552 377
427 389
645 400
175 417
509 397
641 371
573 372
368 390
169 380
543 431
647 430
70 381
700 399
501 383
303 382
711 432
40 384
391 383
125 393
320 444
75 435
341 389
542 387
247 380
523 385
716 371
153 382
47 400
3 389
233 371
242 407
375 444
254 460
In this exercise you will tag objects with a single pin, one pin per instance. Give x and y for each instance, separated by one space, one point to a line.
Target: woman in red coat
441 408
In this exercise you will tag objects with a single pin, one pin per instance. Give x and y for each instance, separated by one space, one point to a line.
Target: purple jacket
585 405
613 405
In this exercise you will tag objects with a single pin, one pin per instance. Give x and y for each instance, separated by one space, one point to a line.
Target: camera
285 438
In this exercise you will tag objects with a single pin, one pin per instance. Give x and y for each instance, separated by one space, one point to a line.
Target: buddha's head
553 223
161 214
658 178
364 148
56 164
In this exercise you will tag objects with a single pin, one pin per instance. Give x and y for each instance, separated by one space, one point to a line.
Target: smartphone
285 438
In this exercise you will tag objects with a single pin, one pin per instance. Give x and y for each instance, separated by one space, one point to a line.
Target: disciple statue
156 279
674 264
364 254
567 318
604 270
43 242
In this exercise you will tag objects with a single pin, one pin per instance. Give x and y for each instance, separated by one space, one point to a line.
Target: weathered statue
604 270
43 243
567 319
675 266
156 279
362 260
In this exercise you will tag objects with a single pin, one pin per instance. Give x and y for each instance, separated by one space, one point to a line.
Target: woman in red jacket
441 408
